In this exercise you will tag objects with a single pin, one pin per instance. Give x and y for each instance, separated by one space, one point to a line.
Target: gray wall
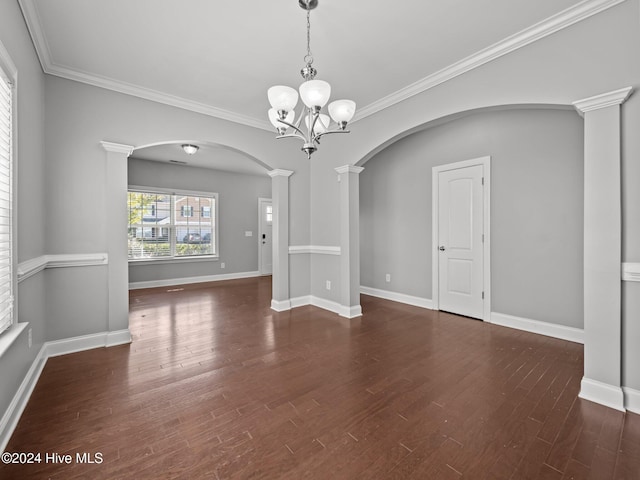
30 186
536 209
237 212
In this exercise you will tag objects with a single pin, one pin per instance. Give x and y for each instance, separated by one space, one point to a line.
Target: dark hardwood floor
217 386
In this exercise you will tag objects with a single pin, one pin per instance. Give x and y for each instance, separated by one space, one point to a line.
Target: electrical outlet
328 285
30 338
222 265
387 277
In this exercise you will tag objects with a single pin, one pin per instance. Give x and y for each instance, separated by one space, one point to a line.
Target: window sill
158 261
9 336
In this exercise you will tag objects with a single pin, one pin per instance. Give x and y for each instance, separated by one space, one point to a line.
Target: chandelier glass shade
315 95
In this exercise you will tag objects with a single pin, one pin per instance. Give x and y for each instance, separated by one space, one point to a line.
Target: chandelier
315 95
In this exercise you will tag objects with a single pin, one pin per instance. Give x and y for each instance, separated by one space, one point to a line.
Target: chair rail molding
314 249
33 266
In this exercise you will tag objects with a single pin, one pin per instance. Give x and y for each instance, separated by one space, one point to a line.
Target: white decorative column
349 240
280 300
117 223
602 249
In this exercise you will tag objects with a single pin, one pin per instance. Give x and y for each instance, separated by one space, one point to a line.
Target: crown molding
154 95
348 169
118 148
278 172
49 66
559 21
538 31
617 97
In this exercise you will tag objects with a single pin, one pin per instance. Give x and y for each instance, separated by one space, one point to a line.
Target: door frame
260 232
485 162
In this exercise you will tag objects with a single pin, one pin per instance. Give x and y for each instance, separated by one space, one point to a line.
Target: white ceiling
209 155
220 58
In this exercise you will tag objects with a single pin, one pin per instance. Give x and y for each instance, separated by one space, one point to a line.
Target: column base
610 396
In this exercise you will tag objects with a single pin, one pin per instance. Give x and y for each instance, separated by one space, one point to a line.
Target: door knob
441 249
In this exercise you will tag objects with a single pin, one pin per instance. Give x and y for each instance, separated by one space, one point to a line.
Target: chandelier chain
308 58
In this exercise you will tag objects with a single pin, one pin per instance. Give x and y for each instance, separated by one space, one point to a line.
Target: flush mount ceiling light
190 149
315 95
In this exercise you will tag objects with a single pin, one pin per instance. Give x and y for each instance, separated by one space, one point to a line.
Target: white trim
12 415
10 335
34 25
608 395
485 162
278 172
562 332
32 266
330 305
349 169
538 31
280 306
170 191
631 399
65 346
169 282
315 249
398 297
119 337
54 348
350 312
118 148
531 34
631 272
301 301
325 304
617 97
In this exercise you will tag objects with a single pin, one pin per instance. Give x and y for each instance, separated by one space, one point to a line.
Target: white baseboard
280 305
87 342
119 337
608 395
300 301
631 399
542 328
330 305
398 297
11 416
189 280
52 349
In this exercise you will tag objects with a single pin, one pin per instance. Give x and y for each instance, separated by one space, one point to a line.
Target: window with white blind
6 198
165 225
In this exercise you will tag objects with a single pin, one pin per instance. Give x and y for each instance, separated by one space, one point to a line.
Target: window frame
9 74
178 193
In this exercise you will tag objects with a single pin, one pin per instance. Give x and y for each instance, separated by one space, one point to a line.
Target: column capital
617 97
278 172
118 148
349 169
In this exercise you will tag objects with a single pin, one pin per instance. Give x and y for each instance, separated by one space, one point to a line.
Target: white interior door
460 241
265 245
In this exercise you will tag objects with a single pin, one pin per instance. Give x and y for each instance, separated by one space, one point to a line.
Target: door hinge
482 180
483 238
483 295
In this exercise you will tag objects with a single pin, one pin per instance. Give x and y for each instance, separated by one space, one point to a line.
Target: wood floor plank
216 385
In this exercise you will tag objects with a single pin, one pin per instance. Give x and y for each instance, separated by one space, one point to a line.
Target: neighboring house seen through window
163 225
